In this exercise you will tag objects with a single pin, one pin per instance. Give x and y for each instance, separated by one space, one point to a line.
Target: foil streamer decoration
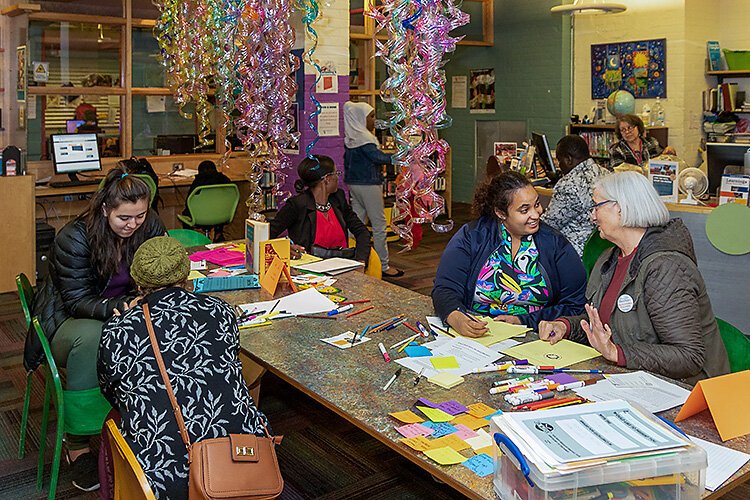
311 10
418 38
243 48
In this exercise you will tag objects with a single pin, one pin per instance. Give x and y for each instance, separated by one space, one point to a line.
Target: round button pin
625 303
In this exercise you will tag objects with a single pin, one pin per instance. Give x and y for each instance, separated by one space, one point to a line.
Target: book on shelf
734 189
714 56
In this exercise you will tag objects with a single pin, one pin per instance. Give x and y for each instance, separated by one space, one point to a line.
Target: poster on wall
328 119
639 67
21 75
482 91
458 91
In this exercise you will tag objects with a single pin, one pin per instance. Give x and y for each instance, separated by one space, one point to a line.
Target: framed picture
482 91
639 67
21 75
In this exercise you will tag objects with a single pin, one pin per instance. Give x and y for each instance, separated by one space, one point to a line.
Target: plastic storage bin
669 476
737 60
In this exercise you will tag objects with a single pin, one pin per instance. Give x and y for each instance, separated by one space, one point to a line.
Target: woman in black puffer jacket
88 279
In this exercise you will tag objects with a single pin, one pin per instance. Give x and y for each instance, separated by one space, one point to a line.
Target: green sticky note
445 456
435 415
444 362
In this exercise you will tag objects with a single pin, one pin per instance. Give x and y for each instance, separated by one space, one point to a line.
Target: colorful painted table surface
350 381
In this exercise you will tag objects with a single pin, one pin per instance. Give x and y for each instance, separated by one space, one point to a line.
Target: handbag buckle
244 451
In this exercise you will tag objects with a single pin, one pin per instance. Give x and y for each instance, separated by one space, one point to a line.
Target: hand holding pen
552 331
467 324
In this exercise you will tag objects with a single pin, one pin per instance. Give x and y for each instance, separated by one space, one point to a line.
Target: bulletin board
639 67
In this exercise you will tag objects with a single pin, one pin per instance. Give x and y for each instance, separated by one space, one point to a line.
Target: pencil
274 306
316 317
442 330
360 311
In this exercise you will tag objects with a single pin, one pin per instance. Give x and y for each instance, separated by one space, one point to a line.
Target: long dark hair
312 170
497 193
108 249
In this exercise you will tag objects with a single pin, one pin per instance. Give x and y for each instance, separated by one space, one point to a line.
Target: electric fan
692 182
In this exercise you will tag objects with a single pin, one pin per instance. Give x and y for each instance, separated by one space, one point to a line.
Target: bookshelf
600 136
713 100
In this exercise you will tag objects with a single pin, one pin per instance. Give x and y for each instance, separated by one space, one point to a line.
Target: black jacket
298 216
73 288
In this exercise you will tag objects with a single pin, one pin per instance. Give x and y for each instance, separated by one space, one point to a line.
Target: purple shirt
119 283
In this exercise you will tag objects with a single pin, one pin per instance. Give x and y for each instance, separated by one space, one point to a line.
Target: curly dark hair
108 249
497 193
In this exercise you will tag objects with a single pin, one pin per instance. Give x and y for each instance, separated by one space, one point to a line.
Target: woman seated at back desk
507 264
633 147
319 217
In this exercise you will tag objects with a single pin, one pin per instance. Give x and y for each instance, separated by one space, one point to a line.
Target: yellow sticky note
470 421
452 441
435 415
499 331
195 275
444 362
305 258
445 456
560 355
446 380
419 443
407 417
487 450
480 410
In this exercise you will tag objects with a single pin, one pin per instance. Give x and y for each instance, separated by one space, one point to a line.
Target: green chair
211 207
593 249
737 345
189 238
149 182
78 412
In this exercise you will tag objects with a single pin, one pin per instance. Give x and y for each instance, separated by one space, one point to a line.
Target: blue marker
340 310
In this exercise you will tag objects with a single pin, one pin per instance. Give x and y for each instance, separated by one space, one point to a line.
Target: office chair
211 207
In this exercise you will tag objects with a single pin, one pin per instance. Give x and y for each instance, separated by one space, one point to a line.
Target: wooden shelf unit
598 150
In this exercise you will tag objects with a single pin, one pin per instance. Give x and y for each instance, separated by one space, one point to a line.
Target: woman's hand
296 251
467 326
507 318
599 334
669 150
127 306
552 331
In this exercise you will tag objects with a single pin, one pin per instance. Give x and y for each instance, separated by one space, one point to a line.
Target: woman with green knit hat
198 338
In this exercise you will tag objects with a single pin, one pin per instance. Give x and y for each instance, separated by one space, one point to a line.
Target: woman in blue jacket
363 173
507 264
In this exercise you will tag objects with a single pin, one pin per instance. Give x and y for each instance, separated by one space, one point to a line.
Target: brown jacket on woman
671 329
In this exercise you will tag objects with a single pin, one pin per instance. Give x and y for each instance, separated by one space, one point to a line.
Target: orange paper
270 279
470 421
725 397
452 441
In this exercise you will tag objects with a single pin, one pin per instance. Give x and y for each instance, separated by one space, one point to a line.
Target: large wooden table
349 382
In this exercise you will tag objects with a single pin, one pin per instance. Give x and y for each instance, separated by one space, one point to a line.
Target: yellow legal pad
499 331
560 355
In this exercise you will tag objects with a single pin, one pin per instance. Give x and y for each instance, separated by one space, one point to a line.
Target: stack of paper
645 389
577 437
458 356
332 266
723 462
309 301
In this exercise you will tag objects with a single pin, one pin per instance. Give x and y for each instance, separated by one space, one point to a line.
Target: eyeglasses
626 129
597 205
337 173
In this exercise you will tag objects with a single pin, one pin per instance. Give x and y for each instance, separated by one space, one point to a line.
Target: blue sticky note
489 417
481 465
440 429
417 351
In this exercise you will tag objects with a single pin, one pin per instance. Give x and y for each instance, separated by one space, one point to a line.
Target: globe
621 102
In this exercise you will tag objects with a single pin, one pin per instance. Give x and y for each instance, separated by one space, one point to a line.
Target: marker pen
576 385
340 310
392 379
516 400
513 381
386 357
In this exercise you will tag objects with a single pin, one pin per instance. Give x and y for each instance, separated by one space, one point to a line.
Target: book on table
334 266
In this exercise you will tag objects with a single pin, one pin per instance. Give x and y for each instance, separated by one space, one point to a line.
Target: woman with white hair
648 308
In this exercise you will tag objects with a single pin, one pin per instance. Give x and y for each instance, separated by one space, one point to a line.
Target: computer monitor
73 153
539 141
71 126
718 156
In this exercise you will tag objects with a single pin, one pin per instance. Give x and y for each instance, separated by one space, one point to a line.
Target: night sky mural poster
638 67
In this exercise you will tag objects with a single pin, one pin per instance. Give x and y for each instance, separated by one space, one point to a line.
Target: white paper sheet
654 399
309 301
723 462
333 266
468 354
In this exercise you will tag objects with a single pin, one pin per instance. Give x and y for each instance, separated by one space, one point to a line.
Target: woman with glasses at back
647 305
318 218
633 147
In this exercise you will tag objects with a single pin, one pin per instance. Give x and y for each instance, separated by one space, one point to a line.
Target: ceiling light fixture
589 7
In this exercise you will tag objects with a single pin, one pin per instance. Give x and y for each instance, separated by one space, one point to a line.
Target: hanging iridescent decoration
310 11
243 48
418 38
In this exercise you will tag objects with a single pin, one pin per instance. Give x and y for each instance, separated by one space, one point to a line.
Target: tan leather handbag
232 467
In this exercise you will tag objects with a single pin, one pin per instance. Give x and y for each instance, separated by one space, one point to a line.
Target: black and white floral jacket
199 341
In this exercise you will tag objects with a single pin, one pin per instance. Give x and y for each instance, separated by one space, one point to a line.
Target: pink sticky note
452 407
219 274
414 430
464 432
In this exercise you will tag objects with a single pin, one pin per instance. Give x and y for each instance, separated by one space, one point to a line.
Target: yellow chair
374 266
130 480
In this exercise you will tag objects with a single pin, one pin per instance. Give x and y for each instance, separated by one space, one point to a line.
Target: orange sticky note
470 421
407 417
270 279
452 441
480 410
419 443
723 396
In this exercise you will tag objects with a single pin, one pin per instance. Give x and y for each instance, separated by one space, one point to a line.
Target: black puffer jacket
73 288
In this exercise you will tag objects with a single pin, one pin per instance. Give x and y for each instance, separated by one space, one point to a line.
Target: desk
349 382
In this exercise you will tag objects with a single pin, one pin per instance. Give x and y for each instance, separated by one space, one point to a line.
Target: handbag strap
172 399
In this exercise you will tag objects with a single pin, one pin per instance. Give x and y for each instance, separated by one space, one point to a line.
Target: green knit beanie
159 262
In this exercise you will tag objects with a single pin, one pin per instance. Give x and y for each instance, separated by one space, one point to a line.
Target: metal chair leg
56 457
25 417
43 434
